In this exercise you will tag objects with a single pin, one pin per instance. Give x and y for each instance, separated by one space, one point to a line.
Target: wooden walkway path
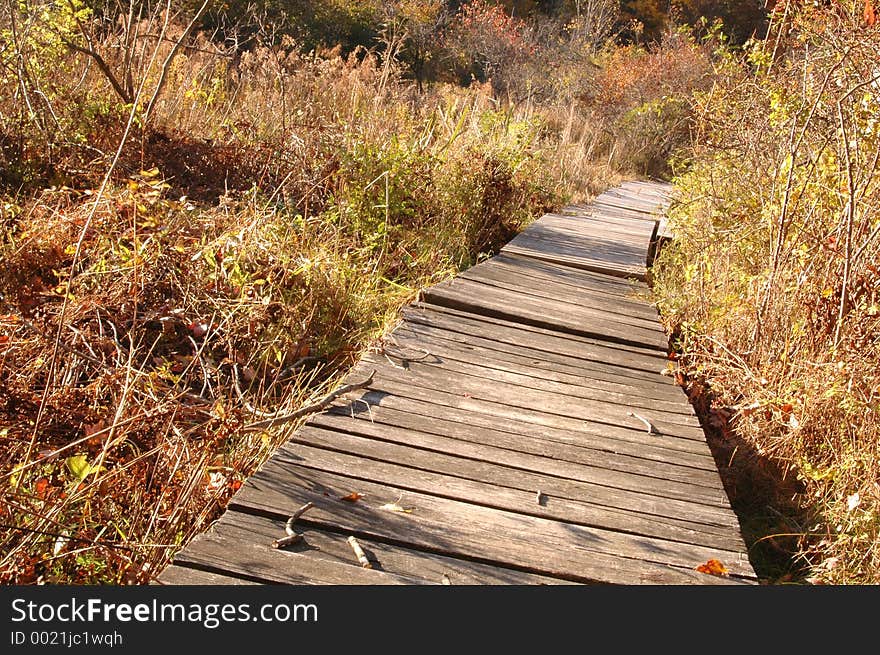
503 439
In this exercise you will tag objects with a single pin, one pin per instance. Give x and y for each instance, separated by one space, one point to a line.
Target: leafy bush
773 280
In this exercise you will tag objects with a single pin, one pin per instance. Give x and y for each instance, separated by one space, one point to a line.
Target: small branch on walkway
292 537
648 424
287 541
309 409
302 510
359 553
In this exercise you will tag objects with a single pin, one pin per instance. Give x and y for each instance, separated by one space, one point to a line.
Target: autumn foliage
167 280
208 228
773 284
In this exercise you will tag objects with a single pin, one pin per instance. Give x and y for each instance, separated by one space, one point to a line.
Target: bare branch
166 65
310 409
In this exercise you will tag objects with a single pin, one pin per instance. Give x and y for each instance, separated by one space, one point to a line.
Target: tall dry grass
259 228
773 282
218 242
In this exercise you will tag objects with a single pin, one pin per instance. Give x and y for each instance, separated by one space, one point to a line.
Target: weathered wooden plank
649 187
428 416
183 575
588 510
605 411
525 373
306 559
234 545
575 275
582 483
558 347
573 278
627 199
597 485
625 308
589 222
630 203
612 352
587 309
543 252
663 229
526 270
412 340
499 303
608 215
595 245
588 212
621 212
478 364
649 209
512 450
387 390
586 483
644 195
471 531
623 232
602 405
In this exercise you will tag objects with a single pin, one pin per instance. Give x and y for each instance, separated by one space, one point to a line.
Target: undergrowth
195 237
773 281
247 247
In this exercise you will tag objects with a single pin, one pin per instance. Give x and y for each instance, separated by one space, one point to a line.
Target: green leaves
78 467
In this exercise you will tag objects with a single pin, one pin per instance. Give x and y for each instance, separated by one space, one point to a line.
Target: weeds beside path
266 217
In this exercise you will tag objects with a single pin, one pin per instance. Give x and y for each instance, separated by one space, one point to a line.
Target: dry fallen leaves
41 486
713 567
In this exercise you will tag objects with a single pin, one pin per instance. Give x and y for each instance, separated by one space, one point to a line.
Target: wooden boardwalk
504 439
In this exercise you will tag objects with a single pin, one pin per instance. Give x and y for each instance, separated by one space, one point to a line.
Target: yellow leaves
816 473
218 411
779 110
79 468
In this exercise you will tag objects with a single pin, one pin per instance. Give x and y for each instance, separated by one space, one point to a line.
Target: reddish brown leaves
353 497
41 486
870 14
713 567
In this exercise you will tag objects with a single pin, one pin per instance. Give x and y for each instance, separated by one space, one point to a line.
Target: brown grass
252 240
774 280
258 229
